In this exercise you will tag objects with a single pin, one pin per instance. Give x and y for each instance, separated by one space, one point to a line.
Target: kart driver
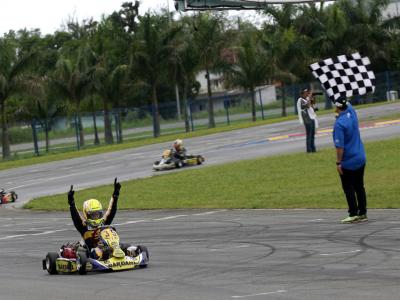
179 151
93 218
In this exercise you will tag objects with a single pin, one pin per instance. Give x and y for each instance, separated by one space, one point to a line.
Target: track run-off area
207 254
215 254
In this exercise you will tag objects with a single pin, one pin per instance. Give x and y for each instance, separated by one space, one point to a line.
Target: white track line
130 222
338 253
209 212
13 236
170 217
135 154
31 234
261 294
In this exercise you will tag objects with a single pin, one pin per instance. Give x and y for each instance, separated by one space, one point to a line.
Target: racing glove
117 188
71 200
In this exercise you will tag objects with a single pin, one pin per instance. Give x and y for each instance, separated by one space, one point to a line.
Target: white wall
393 9
216 82
268 94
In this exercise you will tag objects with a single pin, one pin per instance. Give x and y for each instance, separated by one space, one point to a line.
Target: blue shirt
346 135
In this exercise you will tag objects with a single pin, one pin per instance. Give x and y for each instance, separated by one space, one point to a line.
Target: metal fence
133 123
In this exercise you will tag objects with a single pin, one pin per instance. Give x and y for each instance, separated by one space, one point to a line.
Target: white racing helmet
178 143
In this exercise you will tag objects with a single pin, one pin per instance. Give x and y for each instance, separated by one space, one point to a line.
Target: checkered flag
345 75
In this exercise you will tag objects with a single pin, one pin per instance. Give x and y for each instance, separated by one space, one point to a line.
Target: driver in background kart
94 218
178 150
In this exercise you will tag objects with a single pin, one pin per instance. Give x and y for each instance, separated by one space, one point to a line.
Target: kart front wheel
199 160
178 164
50 262
81 263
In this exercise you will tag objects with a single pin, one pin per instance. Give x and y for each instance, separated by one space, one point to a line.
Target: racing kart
7 197
169 161
75 257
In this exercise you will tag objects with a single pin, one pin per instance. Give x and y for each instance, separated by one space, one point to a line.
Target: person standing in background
308 117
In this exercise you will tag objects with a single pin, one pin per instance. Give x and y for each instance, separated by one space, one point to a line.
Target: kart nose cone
118 253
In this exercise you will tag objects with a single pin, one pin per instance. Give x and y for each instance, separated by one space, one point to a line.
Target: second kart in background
7 197
169 161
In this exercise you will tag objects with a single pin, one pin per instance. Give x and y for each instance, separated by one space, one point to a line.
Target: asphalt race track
206 254
217 254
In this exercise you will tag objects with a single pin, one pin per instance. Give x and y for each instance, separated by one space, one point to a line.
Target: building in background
393 9
232 97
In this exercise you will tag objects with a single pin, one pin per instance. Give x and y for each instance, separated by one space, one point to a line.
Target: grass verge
288 181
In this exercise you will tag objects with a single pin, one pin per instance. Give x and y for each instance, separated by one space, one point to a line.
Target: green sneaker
349 220
362 218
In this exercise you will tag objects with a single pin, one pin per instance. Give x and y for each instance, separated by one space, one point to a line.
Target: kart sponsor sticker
121 264
66 266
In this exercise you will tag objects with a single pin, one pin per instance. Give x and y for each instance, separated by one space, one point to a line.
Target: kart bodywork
74 258
7 197
168 161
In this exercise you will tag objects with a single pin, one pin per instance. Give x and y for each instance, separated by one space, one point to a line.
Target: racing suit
179 153
89 234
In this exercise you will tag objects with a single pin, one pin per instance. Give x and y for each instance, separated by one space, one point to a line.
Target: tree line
127 60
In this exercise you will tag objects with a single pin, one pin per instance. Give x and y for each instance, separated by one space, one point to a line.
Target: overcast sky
49 15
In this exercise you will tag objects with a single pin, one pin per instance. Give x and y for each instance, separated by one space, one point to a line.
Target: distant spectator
308 117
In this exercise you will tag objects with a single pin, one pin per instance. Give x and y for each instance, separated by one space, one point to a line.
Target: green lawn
288 181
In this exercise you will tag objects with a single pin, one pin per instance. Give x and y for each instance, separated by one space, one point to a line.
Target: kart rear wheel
178 164
51 259
81 263
143 249
199 160
14 196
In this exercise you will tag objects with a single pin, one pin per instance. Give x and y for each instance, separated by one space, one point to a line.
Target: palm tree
43 107
251 68
367 32
13 80
152 54
283 44
185 62
210 41
110 84
110 45
72 80
323 28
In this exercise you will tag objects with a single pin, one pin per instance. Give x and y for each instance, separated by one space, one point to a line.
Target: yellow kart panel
66 266
191 161
118 264
111 237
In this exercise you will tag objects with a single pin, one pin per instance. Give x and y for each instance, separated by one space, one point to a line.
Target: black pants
310 135
353 187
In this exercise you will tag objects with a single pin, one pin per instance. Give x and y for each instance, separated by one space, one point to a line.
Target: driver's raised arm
76 217
112 207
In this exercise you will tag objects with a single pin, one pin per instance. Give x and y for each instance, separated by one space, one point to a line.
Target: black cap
341 102
305 90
